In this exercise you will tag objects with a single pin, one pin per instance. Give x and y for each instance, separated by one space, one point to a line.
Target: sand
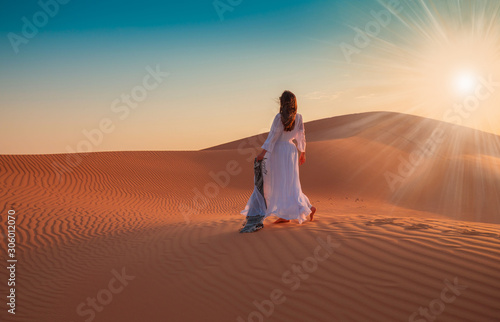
152 235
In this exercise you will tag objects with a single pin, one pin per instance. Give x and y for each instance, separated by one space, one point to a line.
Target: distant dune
412 206
407 160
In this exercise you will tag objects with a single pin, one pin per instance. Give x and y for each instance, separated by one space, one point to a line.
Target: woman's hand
260 157
302 158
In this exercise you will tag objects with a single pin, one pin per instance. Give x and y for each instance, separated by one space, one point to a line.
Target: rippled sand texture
167 223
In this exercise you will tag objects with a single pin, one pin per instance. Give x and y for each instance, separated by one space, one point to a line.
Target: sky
86 76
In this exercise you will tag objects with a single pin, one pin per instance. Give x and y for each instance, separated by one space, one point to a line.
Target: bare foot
280 220
311 216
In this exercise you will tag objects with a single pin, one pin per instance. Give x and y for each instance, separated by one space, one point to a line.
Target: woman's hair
288 110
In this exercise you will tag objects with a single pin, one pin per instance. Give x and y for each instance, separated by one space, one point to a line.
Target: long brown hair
288 110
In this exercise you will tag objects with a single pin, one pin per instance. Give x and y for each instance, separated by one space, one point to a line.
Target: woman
282 189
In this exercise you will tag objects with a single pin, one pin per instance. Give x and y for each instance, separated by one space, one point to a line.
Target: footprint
384 221
418 226
474 232
471 232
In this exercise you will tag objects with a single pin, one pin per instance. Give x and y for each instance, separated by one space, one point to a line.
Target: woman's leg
311 216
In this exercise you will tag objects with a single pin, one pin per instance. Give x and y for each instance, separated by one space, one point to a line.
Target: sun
465 82
436 59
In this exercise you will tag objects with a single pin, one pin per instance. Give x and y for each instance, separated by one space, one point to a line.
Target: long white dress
282 189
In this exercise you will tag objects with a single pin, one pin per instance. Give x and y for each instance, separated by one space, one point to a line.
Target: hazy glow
465 83
437 59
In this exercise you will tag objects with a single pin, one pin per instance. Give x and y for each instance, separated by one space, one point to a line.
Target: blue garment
257 204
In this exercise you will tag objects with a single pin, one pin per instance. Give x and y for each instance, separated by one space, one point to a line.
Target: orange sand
169 221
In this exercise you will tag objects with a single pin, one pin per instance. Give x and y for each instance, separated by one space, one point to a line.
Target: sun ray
439 60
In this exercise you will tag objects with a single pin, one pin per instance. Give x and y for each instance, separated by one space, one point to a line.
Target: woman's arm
301 141
272 137
301 135
261 155
302 158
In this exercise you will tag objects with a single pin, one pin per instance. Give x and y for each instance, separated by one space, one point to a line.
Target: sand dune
406 160
167 222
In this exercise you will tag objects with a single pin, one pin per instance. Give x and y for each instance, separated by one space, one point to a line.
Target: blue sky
64 78
112 14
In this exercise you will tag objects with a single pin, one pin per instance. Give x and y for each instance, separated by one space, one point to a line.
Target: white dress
282 189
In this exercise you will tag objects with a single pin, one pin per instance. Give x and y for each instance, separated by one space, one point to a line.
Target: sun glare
432 61
465 83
